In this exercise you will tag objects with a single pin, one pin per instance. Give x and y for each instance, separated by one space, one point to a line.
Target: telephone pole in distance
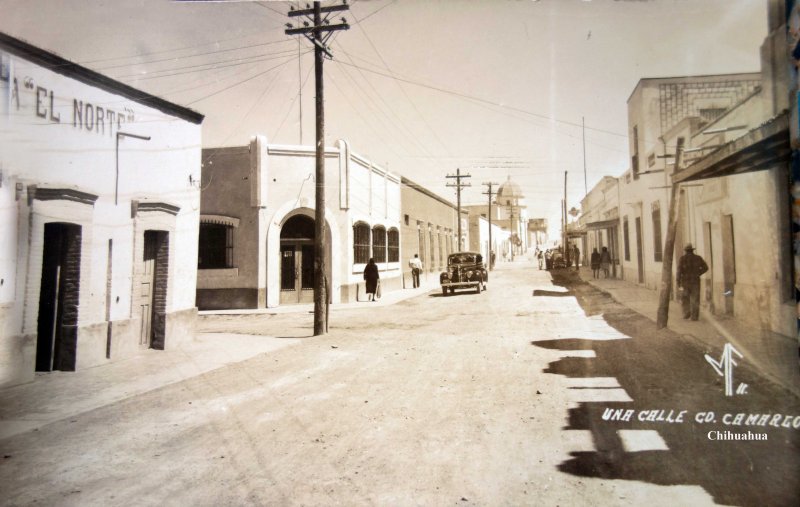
490 194
459 185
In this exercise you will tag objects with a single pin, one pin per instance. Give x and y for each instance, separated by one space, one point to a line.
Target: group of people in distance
601 260
690 268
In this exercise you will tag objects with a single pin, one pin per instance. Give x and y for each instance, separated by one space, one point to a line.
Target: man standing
416 267
690 268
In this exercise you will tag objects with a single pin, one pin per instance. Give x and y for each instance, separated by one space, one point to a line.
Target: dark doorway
152 290
297 260
639 252
728 262
57 323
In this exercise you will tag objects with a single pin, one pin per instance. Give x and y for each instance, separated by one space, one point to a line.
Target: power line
404 130
240 82
478 99
413 105
210 65
173 58
374 12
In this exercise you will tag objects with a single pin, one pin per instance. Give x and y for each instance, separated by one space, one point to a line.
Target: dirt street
485 399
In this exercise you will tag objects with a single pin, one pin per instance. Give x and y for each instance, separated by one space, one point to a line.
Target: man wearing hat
690 268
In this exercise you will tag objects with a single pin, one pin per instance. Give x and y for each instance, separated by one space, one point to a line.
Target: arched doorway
297 260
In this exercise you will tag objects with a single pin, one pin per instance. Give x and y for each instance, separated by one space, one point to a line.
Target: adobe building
655 107
736 201
257 225
99 212
429 229
599 223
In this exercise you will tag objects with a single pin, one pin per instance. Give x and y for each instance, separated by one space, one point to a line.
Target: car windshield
462 259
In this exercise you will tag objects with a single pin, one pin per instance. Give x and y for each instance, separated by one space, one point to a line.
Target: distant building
99 209
257 225
429 229
655 107
736 198
599 222
509 212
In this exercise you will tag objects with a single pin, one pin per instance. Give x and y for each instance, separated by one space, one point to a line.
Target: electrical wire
405 94
211 66
482 100
183 57
241 82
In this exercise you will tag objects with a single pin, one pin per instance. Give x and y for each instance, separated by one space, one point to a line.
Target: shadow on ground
660 370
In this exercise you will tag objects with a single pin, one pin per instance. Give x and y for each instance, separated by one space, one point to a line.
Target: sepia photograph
399 253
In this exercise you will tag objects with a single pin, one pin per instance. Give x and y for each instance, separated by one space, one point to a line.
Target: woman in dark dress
595 263
371 276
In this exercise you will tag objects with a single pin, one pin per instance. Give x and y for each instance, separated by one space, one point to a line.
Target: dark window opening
215 250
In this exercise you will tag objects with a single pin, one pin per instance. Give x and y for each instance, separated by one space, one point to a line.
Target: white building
99 209
257 225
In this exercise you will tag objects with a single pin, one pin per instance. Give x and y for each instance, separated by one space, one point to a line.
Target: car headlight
469 274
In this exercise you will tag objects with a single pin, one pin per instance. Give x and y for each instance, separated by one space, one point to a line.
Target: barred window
394 245
361 243
215 249
379 243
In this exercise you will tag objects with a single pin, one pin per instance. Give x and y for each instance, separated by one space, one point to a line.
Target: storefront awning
603 224
761 148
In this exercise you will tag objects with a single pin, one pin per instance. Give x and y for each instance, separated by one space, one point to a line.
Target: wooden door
147 288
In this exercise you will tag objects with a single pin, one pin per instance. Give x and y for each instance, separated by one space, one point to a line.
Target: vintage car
465 270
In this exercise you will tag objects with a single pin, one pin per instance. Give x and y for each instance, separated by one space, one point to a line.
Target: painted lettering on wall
86 116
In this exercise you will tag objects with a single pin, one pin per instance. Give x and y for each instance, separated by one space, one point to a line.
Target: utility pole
318 31
490 194
669 247
564 248
459 185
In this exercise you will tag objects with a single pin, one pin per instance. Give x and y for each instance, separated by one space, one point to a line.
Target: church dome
509 190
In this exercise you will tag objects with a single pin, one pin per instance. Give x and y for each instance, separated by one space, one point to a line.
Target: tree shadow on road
660 370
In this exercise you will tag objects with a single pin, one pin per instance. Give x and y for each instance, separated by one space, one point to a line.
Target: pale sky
494 87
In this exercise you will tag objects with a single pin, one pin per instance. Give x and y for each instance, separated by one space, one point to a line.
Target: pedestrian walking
595 261
491 260
605 261
576 254
540 256
416 268
372 278
690 268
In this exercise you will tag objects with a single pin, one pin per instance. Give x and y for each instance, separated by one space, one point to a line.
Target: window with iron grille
215 249
361 243
394 245
379 243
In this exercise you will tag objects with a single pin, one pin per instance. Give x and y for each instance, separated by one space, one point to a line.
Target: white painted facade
281 182
59 125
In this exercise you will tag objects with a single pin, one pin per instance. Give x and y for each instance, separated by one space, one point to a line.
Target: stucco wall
59 133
